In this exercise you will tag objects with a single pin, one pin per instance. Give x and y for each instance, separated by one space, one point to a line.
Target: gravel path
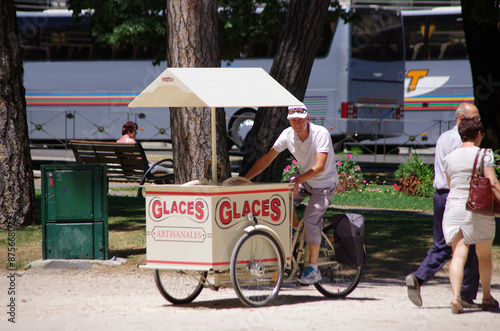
125 298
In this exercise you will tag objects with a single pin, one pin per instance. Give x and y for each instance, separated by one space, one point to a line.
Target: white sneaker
310 276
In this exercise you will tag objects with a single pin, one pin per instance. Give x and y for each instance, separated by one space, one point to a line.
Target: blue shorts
320 199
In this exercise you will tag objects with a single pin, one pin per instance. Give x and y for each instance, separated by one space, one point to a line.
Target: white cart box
197 227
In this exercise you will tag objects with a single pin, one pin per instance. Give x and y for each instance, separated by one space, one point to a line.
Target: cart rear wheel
179 286
257 269
338 280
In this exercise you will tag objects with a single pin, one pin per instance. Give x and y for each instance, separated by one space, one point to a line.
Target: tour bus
438 75
78 89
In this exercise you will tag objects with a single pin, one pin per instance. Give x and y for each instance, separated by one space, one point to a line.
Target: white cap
297 112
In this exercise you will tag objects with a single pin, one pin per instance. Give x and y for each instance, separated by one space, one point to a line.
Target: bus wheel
240 127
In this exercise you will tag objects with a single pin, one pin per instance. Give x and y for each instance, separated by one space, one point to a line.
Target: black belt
443 191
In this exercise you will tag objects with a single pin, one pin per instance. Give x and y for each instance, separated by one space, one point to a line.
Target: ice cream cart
194 231
205 234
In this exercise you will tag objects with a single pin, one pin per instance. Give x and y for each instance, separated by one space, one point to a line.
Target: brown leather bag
481 198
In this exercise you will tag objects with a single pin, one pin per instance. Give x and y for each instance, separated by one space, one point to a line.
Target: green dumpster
74 211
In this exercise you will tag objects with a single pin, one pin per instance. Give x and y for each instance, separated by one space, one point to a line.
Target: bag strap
475 171
481 167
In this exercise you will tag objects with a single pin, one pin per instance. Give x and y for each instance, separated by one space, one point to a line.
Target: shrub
497 162
350 176
415 177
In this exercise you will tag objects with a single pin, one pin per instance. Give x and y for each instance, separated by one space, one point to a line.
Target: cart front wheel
256 269
179 286
338 280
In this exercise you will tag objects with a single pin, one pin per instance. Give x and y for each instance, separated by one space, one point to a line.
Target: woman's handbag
481 198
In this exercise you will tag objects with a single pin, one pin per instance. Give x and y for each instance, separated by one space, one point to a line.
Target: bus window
55 37
377 37
414 37
446 38
434 37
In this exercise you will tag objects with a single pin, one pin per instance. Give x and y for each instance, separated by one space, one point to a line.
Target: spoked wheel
256 269
179 286
338 280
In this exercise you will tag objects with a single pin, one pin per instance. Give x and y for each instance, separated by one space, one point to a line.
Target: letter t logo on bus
415 75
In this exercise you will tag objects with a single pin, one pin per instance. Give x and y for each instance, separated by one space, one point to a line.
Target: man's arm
262 164
315 170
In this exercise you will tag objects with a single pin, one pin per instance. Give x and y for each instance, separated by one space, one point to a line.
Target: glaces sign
228 212
271 209
194 209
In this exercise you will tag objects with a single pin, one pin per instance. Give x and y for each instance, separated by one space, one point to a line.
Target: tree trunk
17 192
193 42
291 68
483 46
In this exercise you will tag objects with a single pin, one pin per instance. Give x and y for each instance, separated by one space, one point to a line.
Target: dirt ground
125 298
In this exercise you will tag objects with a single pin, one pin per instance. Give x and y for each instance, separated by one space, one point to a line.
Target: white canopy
215 87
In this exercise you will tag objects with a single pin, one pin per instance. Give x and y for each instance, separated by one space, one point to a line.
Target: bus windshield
377 37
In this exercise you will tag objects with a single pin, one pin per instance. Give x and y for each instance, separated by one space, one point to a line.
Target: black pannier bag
349 237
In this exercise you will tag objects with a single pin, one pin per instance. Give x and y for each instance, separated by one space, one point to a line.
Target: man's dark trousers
438 255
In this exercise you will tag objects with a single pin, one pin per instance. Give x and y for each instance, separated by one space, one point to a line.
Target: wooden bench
125 162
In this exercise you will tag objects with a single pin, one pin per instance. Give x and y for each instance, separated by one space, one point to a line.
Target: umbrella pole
214 149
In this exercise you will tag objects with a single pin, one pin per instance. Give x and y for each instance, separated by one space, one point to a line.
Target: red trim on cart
214 193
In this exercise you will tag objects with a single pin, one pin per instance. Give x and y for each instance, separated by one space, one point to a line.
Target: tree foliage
243 23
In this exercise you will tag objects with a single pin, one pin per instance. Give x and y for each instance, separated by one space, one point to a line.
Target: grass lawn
398 231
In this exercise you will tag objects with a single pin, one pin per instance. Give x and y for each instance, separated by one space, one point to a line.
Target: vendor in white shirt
312 147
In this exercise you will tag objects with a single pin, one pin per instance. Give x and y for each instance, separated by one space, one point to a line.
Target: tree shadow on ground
126 206
395 241
126 213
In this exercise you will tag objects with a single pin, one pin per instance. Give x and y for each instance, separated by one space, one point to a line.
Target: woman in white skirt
462 228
